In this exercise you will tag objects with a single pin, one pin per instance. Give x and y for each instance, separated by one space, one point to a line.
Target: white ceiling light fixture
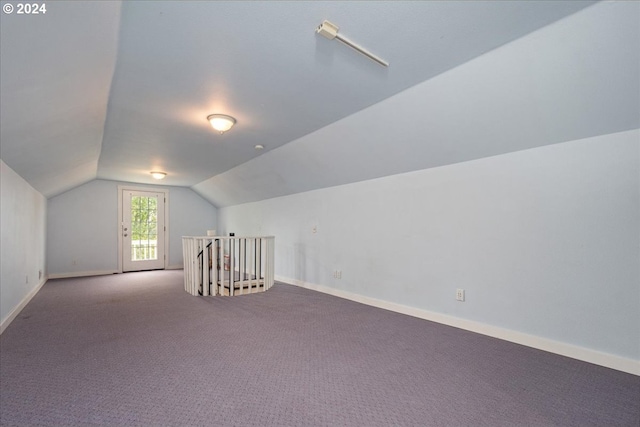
330 31
158 175
221 122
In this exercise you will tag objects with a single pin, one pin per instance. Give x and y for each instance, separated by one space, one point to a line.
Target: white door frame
121 190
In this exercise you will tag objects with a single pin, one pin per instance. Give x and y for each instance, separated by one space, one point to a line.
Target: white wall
82 227
544 241
22 224
190 215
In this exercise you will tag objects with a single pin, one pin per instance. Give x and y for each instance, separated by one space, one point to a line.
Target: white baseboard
619 363
99 273
18 308
81 274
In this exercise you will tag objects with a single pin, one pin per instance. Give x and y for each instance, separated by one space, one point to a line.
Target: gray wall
544 241
82 227
22 224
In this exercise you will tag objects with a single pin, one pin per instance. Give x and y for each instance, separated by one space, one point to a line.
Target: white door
143 230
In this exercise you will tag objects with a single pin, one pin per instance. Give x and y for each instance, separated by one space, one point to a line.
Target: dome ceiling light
221 122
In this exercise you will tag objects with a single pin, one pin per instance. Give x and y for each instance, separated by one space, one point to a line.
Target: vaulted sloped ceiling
114 90
55 74
574 79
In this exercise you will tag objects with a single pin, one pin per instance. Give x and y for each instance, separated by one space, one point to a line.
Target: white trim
125 187
18 308
619 363
82 274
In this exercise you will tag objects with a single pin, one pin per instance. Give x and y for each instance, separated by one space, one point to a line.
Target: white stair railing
217 265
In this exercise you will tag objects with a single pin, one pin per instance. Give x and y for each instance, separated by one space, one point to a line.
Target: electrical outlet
459 294
337 274
314 229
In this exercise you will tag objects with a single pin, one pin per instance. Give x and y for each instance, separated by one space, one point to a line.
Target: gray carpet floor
135 349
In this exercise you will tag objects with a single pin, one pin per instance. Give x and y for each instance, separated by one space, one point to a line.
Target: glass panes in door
144 228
